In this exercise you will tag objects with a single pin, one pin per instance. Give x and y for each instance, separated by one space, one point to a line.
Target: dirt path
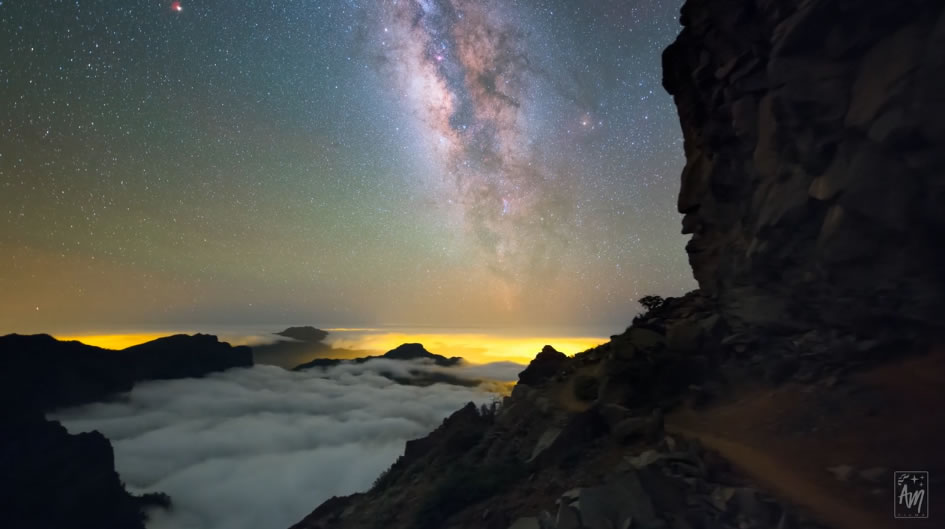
890 418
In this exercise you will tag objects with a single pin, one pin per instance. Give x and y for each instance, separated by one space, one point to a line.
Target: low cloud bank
259 448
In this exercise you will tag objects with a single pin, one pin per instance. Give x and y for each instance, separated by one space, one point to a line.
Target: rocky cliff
814 184
54 479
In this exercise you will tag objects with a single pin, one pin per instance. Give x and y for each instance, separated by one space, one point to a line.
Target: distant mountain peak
413 351
305 333
406 351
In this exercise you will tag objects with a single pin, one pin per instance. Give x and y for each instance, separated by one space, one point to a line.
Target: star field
428 162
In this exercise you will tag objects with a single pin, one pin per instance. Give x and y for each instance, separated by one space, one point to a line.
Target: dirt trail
892 417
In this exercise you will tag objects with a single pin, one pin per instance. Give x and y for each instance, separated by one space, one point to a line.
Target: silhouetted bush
382 480
651 303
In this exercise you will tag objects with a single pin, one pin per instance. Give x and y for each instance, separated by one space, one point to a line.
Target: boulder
544 441
580 429
543 367
568 517
613 504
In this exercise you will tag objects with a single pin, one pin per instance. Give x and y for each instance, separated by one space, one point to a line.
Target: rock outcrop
814 185
546 364
54 479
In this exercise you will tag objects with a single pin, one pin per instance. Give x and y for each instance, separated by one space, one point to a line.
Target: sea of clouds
261 447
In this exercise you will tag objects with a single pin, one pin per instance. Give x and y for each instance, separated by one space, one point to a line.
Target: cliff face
54 479
814 184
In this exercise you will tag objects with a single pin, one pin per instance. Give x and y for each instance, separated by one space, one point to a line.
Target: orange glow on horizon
477 348
112 341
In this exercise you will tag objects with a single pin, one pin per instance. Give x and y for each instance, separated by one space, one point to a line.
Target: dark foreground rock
546 459
52 479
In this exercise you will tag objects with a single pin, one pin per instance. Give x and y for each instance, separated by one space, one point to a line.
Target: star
447 143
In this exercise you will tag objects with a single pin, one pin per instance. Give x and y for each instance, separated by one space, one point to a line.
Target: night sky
415 162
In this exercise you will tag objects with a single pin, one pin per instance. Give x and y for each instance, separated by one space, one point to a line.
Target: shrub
651 302
383 480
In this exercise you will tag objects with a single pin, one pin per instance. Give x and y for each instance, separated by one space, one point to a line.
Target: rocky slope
581 437
54 479
813 185
615 437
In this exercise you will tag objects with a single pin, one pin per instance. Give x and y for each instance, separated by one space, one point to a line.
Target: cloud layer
261 447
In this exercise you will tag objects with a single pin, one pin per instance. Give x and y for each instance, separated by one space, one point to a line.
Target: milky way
434 162
463 69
